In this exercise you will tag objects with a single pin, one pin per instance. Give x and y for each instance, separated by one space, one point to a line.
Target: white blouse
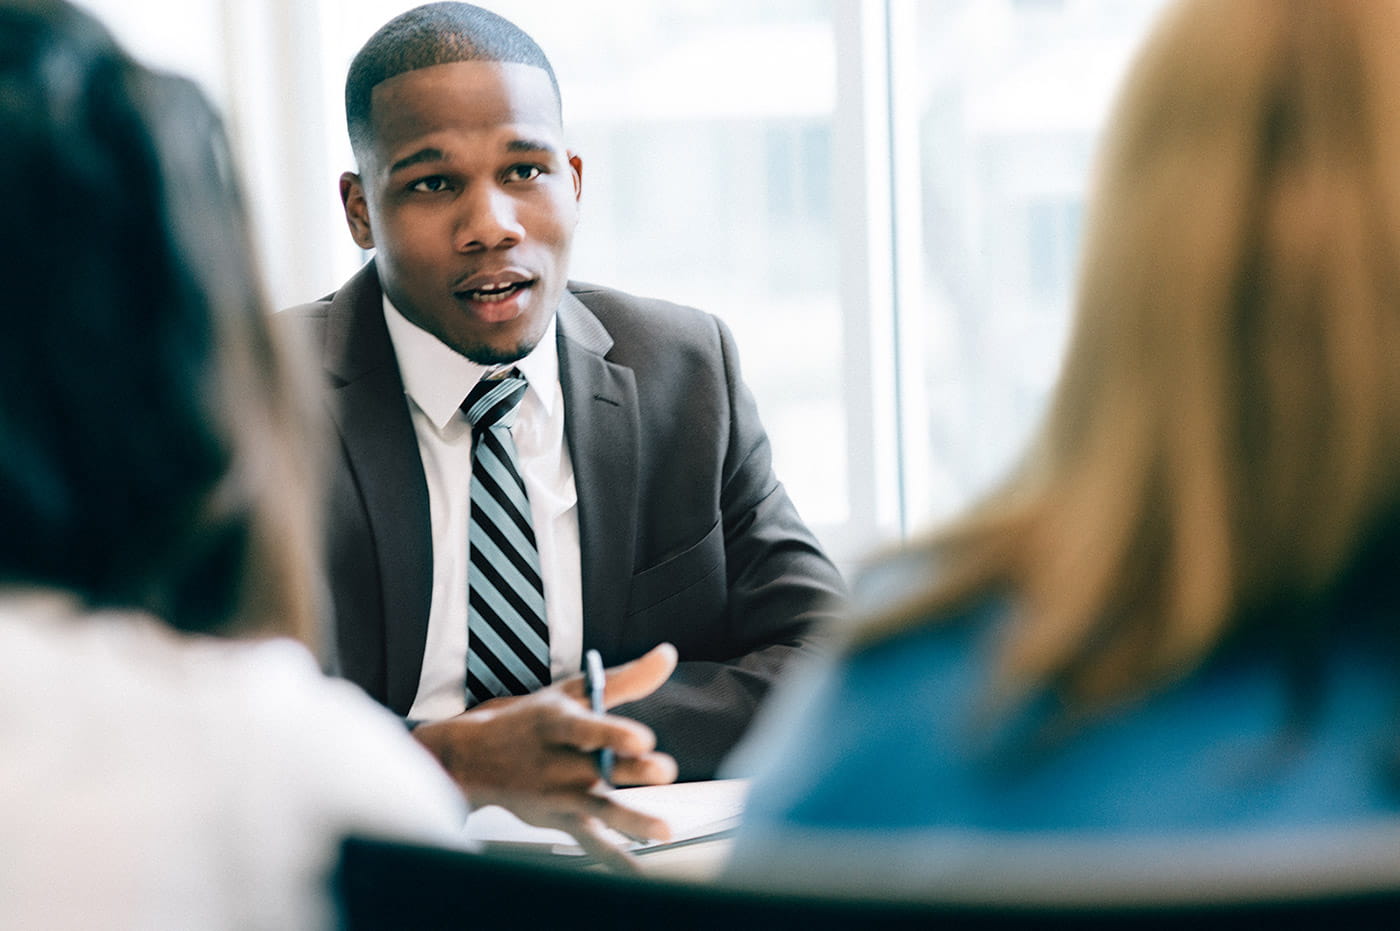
154 780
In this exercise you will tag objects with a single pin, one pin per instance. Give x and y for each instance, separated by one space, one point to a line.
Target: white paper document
695 811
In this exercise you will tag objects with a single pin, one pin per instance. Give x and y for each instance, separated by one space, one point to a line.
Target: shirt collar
437 377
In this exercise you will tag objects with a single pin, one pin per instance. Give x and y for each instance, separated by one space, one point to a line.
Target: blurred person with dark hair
173 757
1163 654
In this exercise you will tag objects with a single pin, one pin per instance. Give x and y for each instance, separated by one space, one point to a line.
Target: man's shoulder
361 289
303 326
307 327
316 309
614 303
344 311
629 317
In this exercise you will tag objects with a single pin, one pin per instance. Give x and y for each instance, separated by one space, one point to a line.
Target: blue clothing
885 754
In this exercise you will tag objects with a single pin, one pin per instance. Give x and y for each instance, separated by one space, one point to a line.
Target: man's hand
533 754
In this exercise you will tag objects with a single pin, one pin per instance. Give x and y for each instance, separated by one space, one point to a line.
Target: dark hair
146 427
432 34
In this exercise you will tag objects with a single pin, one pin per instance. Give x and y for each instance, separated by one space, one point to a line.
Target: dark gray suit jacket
686 534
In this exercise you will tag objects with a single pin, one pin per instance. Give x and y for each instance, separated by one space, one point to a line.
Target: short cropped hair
433 34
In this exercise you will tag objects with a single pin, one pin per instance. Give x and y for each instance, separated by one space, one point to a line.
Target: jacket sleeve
782 593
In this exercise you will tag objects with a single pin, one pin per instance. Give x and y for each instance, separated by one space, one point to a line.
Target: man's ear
576 164
352 196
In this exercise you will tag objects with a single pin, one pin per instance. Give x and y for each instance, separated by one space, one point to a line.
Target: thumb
641 677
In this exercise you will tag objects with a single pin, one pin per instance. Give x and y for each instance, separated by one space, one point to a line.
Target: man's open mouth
494 293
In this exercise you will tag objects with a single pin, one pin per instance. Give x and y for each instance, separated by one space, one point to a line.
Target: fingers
633 680
635 824
575 734
588 817
542 744
571 725
594 820
589 834
651 769
641 677
568 769
602 808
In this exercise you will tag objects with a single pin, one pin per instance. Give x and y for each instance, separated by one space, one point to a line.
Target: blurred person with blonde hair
173 757
1161 656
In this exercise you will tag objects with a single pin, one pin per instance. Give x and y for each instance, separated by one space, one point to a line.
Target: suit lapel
602 427
372 417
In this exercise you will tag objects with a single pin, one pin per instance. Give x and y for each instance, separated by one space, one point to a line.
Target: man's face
470 200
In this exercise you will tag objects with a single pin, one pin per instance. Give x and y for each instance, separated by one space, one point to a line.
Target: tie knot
494 402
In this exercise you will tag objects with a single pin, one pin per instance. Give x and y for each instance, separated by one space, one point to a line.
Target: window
1004 102
882 198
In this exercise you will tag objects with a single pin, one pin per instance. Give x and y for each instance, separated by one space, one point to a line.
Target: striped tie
507 639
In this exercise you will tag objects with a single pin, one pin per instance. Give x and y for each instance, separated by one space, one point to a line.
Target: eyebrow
528 145
422 155
437 155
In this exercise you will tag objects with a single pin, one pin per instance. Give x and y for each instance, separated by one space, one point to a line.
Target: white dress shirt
437 379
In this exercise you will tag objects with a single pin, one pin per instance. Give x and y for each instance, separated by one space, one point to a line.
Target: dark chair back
383 884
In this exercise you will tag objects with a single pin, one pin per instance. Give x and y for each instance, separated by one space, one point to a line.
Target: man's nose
488 221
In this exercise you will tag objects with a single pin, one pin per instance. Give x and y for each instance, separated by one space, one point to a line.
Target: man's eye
523 172
429 185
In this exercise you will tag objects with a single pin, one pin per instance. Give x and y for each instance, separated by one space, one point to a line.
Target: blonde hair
1225 437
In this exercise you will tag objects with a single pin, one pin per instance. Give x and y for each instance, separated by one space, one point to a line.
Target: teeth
493 293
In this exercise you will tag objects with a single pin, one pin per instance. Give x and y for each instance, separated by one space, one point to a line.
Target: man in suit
651 496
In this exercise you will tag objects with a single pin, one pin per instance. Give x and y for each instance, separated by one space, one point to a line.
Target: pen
594 682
